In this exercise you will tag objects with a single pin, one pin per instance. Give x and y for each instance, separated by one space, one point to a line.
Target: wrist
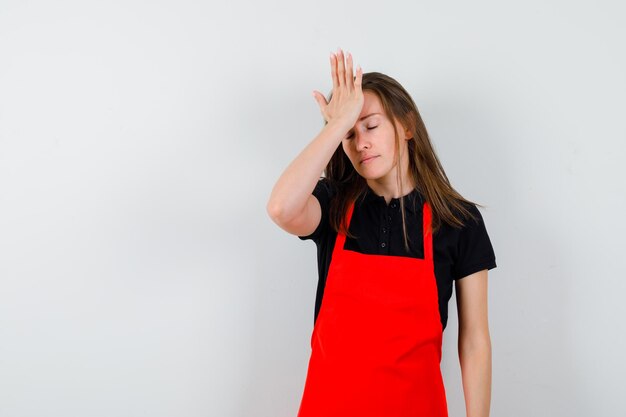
339 127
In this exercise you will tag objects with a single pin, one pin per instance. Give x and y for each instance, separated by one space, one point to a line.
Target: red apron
376 343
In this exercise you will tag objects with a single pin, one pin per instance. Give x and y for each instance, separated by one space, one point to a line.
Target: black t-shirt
378 227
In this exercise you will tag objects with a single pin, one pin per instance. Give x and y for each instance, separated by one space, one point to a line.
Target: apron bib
376 343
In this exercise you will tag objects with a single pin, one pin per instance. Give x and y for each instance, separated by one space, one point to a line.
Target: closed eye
369 128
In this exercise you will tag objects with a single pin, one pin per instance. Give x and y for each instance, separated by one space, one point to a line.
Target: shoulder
474 218
471 245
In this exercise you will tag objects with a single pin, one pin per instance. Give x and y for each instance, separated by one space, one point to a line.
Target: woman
392 236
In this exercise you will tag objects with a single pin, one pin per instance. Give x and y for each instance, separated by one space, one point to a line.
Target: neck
388 188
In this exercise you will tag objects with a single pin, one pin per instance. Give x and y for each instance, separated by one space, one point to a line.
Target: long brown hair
425 168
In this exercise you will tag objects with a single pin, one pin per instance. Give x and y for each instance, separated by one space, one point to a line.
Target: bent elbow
276 211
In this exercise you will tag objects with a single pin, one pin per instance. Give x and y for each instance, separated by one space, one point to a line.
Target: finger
321 100
349 76
358 79
333 69
341 70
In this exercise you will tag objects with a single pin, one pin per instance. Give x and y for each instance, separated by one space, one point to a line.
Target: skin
293 207
374 136
474 342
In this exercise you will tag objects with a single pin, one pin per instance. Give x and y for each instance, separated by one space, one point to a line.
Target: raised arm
292 205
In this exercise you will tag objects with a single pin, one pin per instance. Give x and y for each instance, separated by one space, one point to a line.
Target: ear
408 135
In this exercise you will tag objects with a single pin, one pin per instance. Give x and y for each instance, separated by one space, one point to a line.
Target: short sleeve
323 192
474 249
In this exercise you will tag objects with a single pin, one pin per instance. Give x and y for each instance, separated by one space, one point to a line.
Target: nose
361 142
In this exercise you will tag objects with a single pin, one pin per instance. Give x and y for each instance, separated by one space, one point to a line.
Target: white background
140 140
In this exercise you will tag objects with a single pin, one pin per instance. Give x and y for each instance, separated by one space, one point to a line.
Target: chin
372 172
370 175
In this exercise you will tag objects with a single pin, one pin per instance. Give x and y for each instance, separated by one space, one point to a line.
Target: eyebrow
362 118
365 117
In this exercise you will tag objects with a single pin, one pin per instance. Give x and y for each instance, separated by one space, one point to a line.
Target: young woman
392 236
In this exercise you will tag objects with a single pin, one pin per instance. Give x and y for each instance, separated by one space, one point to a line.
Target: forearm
475 359
296 183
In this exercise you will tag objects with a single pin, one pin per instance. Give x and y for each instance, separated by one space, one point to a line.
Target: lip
368 159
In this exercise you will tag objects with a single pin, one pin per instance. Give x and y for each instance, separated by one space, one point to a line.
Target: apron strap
427 227
341 238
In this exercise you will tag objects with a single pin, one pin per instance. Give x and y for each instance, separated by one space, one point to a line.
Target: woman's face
370 144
